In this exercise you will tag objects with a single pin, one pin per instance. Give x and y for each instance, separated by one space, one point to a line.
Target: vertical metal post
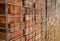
6 10
14 19
46 22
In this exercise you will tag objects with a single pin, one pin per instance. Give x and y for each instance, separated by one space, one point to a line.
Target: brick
29 32
19 10
2 36
21 39
12 26
12 1
43 24
2 8
38 18
30 11
30 36
12 34
43 35
22 24
17 32
27 3
42 2
11 19
31 0
17 40
3 19
28 17
11 9
38 11
29 24
38 37
38 30
23 10
33 39
37 6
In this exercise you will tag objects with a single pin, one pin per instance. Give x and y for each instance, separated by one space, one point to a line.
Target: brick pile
26 20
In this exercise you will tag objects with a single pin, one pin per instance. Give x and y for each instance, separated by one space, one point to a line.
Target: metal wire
6 10
33 14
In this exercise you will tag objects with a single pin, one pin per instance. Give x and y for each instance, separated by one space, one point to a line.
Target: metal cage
27 20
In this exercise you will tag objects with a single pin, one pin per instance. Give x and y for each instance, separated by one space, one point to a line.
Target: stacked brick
26 20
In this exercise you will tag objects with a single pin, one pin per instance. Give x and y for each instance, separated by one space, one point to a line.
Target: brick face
30 19
30 33
38 37
18 2
12 34
21 39
2 8
18 10
37 6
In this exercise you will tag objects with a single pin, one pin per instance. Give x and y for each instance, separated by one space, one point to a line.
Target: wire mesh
27 20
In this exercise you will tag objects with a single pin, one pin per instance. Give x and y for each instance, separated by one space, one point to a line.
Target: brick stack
29 3
26 20
15 22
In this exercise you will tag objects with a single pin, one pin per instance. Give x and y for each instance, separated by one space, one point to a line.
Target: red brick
29 24
37 29
12 25
2 36
27 3
29 11
32 39
43 24
37 6
43 2
18 10
31 0
38 37
11 9
12 34
22 24
11 19
28 18
17 33
30 36
17 39
38 11
2 8
18 2
2 19
29 32
21 39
